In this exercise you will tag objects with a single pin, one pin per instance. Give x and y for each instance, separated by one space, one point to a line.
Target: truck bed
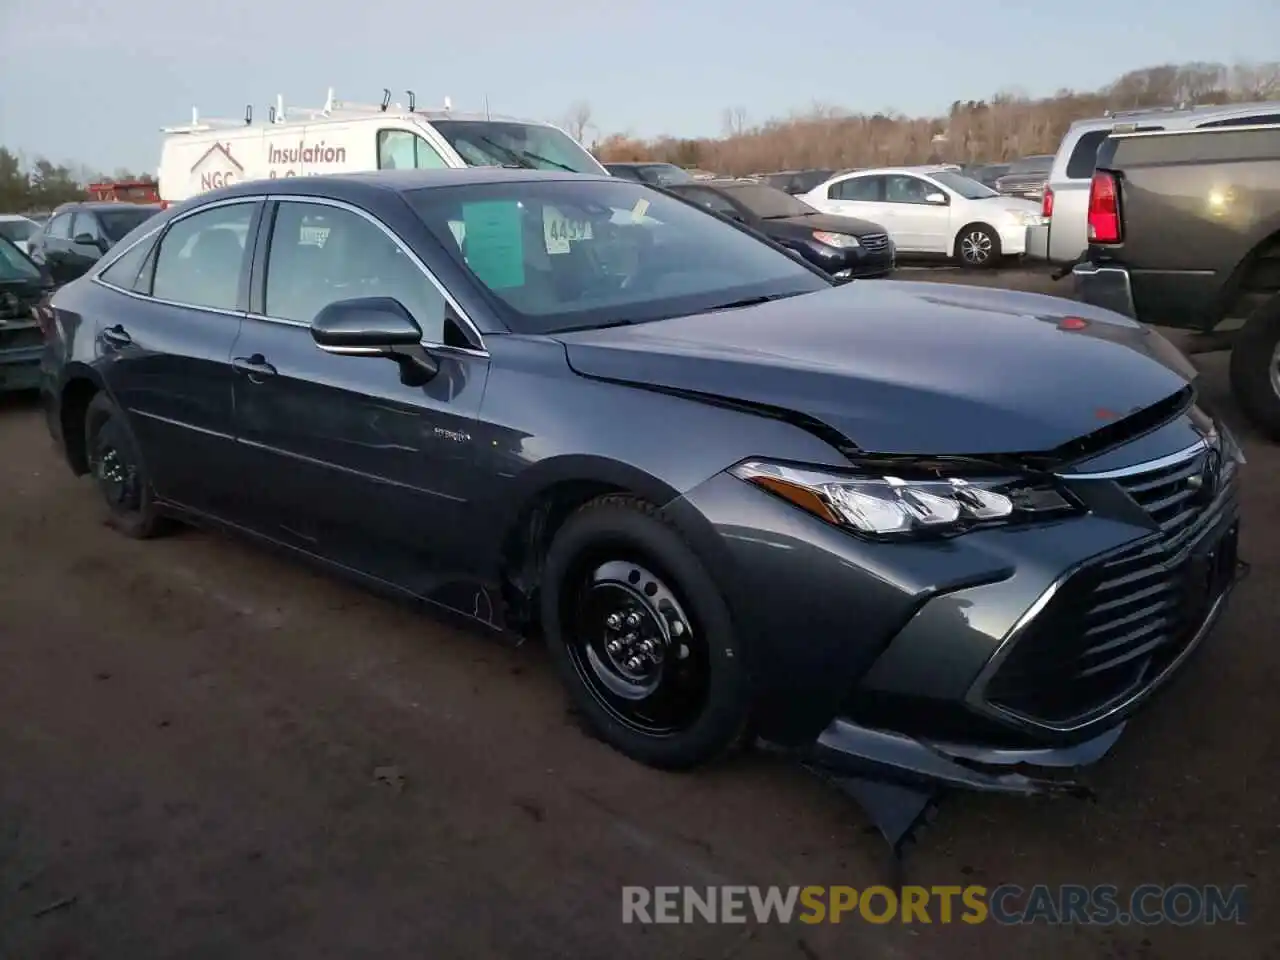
1195 205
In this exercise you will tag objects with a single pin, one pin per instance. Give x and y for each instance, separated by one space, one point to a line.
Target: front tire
1255 368
642 638
978 247
118 472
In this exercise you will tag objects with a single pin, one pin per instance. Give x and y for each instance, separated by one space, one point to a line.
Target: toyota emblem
1206 482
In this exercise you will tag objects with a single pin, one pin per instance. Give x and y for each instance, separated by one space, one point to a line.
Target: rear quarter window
1084 155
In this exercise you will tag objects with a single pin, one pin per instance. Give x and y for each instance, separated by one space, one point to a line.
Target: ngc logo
217 167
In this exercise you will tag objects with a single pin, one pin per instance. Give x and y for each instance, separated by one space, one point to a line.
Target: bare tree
578 120
1008 125
735 121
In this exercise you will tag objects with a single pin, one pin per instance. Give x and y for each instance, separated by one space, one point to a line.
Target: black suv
76 235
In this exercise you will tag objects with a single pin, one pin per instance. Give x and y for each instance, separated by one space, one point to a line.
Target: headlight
835 239
885 505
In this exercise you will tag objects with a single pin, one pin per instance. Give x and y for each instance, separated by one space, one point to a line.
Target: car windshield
501 143
769 203
14 265
17 230
116 222
967 187
1031 165
665 174
558 255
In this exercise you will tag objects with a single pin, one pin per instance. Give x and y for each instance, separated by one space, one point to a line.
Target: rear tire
978 247
1255 368
118 472
642 638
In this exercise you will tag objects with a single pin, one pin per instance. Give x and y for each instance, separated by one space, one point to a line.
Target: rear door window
857 188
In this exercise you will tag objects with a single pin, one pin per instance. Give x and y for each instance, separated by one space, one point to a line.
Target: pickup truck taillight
1104 208
1046 202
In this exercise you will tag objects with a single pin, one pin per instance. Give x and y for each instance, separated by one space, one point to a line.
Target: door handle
117 336
255 367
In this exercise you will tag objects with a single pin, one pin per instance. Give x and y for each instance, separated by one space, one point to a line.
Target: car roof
101 205
14 216
365 184
1177 115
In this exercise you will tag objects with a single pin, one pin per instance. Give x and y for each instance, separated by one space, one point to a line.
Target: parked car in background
986 173
658 174
1184 230
1026 177
1064 236
844 247
23 288
78 234
883 526
932 212
18 229
797 181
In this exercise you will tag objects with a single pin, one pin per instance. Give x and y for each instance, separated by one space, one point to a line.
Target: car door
54 246
860 196
351 463
918 225
164 351
88 243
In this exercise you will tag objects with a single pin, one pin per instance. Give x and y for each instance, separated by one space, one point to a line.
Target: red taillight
1104 208
1046 202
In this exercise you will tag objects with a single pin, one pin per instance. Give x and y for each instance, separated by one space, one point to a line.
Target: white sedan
932 211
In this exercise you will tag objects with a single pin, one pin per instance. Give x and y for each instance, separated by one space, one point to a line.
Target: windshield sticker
638 211
494 244
558 230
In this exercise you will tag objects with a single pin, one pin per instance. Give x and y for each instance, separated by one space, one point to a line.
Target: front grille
875 242
1115 625
19 338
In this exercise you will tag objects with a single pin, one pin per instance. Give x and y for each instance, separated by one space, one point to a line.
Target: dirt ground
210 751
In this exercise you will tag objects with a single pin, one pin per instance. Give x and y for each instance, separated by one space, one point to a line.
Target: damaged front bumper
897 779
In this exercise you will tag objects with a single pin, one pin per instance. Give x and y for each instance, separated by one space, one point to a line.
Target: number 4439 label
558 231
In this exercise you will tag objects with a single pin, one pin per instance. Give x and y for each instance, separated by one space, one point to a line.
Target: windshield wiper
750 301
539 158
525 159
515 157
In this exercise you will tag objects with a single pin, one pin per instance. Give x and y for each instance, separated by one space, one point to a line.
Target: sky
125 68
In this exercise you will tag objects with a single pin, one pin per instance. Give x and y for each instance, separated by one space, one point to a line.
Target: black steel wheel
635 648
642 637
117 470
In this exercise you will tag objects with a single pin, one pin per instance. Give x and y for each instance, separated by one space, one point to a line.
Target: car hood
914 368
831 223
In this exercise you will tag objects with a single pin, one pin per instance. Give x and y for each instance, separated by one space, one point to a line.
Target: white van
339 138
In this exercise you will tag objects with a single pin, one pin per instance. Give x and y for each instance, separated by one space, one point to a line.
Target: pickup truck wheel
978 247
118 472
1255 368
642 638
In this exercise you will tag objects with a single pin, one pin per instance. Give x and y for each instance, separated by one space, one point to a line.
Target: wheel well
76 397
526 543
955 241
1256 280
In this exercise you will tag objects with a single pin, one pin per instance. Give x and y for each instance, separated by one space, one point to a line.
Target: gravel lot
210 751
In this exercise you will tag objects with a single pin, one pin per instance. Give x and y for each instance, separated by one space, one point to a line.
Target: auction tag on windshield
558 230
639 210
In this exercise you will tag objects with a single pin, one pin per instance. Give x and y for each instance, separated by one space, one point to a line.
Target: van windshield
504 143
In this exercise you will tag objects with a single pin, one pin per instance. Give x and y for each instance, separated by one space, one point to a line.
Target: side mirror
375 327
938 199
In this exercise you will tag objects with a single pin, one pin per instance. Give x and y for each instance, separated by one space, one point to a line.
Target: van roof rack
1142 111
332 108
